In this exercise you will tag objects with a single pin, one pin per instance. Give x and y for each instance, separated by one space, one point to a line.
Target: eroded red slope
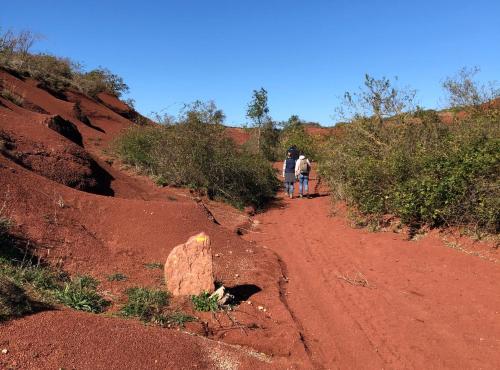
127 224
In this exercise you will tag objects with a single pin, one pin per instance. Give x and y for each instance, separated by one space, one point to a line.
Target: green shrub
55 74
203 302
197 153
179 319
294 133
146 304
421 170
100 80
81 294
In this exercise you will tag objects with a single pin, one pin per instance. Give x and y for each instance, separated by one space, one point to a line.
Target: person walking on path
289 174
302 169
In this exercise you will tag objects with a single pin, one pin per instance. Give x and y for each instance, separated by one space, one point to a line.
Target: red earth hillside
88 215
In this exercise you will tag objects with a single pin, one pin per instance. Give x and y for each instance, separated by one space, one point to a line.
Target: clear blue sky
305 53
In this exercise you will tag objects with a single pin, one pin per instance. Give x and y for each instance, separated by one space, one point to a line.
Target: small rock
217 255
260 308
5 351
223 297
236 275
249 302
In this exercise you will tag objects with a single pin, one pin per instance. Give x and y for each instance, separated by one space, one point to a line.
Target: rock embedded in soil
189 267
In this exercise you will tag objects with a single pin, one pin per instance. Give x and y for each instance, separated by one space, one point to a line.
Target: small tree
258 112
294 133
464 91
379 99
19 43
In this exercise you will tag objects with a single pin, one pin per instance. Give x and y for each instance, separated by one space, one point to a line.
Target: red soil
101 235
239 135
425 306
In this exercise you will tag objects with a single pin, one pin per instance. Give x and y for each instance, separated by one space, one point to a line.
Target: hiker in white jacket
302 169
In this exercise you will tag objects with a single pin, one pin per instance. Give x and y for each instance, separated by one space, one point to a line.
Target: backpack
304 166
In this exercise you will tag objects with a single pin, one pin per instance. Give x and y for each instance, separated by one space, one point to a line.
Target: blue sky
305 53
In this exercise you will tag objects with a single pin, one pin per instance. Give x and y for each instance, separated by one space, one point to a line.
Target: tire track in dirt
427 306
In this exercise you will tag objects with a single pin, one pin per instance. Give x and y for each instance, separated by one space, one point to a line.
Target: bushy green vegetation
25 285
55 74
204 303
81 294
146 304
409 164
28 285
151 306
196 152
294 133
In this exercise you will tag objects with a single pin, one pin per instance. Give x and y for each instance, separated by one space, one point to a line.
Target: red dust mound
72 340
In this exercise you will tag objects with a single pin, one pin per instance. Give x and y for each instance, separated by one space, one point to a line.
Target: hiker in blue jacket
289 174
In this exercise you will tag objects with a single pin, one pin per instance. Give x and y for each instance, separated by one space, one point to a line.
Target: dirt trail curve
426 306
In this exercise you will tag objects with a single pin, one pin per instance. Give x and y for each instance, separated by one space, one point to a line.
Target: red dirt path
426 306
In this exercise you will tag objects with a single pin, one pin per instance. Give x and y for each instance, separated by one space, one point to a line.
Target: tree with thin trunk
258 112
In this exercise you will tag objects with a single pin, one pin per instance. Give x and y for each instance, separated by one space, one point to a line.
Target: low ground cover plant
204 302
146 304
151 306
81 294
196 152
28 285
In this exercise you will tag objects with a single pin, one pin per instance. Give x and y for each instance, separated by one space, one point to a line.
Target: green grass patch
81 294
204 303
179 318
146 304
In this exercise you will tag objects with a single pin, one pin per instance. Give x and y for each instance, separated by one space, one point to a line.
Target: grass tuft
146 304
81 294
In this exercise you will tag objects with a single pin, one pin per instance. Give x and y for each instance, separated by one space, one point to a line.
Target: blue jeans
289 188
303 184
